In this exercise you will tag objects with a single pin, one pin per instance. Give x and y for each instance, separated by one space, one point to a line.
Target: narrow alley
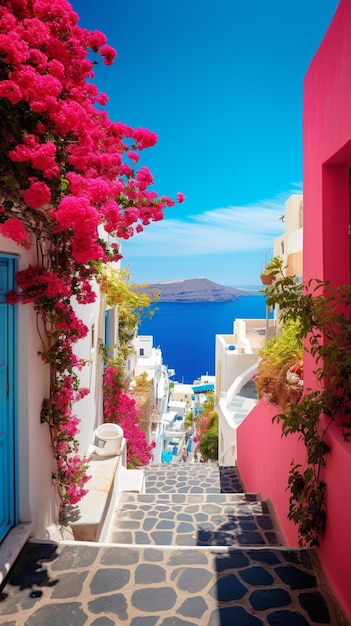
193 550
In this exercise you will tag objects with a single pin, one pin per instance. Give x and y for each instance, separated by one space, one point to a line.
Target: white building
149 361
29 502
183 392
289 244
237 354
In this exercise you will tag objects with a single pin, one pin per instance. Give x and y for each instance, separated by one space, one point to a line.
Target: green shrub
209 444
188 419
278 356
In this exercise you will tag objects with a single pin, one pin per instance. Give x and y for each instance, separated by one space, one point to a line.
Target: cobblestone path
193 520
201 573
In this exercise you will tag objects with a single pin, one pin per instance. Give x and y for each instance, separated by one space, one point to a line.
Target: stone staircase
243 402
194 550
206 553
192 505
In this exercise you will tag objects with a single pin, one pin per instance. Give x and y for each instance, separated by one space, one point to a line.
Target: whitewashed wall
37 497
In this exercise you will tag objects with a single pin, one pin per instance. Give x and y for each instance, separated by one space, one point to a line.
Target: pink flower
133 156
95 40
44 156
180 197
102 99
72 156
144 177
14 229
108 53
11 91
37 194
144 138
77 213
85 250
12 297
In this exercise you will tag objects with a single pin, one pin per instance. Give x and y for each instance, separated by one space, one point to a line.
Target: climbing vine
130 299
120 407
69 181
323 314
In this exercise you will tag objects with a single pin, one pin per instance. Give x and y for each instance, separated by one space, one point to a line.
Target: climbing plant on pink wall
67 174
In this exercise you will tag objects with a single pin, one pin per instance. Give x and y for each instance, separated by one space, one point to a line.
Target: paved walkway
243 402
146 584
192 505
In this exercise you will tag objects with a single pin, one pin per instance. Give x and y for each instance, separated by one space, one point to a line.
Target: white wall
90 410
44 502
37 498
145 343
183 393
295 240
290 241
178 407
229 363
227 448
293 213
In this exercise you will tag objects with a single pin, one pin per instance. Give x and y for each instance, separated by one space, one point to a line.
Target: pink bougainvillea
14 229
121 409
37 194
67 173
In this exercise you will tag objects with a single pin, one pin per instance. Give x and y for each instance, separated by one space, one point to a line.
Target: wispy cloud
223 230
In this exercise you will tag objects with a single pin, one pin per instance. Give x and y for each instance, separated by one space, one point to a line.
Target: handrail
227 426
231 449
237 385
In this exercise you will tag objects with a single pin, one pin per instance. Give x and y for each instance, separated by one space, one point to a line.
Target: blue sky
221 83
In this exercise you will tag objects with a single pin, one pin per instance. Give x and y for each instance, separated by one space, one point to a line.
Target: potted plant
270 271
266 279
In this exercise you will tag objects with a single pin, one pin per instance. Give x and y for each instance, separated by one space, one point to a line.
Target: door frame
12 264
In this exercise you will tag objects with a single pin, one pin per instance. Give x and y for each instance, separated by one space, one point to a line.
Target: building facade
263 456
29 502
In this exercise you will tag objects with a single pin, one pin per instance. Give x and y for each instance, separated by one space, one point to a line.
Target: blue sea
186 332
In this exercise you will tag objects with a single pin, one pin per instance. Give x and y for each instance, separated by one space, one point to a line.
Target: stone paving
193 520
243 402
76 584
204 478
192 505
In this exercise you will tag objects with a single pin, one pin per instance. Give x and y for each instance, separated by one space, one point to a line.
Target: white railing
227 427
229 452
237 385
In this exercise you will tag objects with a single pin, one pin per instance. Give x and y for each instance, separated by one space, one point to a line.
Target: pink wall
327 154
263 457
263 461
335 549
327 161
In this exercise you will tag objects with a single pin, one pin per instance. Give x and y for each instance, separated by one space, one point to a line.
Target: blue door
8 512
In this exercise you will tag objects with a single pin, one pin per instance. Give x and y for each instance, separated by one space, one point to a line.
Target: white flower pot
108 440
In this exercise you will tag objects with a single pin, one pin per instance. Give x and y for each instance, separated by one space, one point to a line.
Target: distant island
194 290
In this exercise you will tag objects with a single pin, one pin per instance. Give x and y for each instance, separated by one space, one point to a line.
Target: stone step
240 407
173 558
76 583
188 498
192 477
192 520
